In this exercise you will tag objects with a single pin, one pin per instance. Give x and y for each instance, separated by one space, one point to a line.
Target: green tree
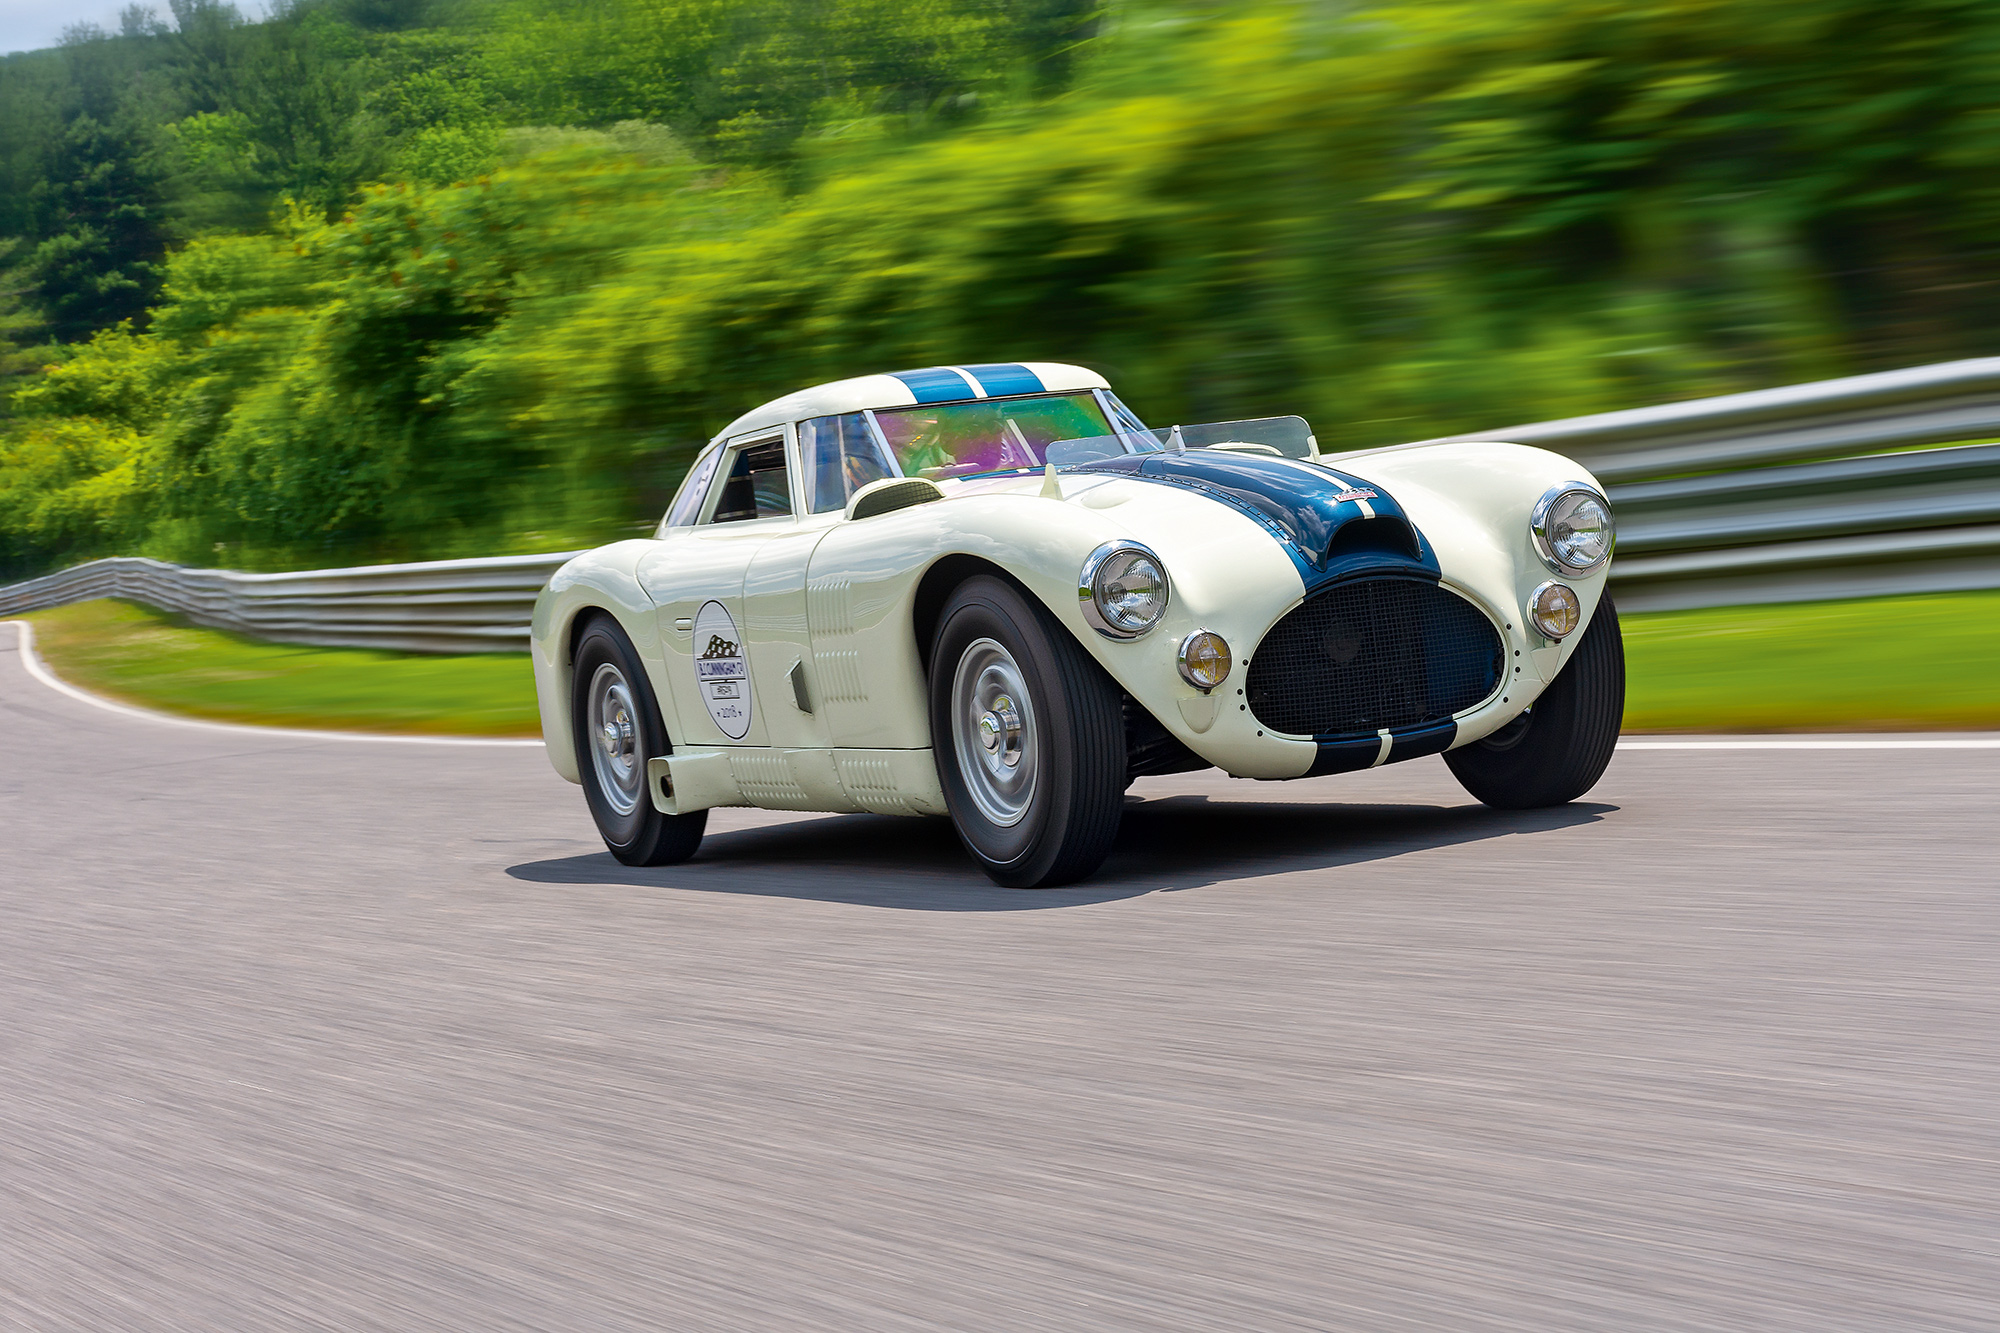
108 222
743 80
536 255
438 106
21 331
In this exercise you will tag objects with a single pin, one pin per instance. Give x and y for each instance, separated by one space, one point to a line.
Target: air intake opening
890 494
1373 653
1388 536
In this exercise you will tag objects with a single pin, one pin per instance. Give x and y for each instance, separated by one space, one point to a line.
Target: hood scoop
1381 535
1332 522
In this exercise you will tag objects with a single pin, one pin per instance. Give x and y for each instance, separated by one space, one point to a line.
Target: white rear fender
596 582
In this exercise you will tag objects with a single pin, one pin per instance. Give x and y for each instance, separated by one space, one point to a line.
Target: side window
840 455
757 485
687 505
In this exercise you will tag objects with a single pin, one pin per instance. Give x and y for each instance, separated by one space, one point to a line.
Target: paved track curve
329 1035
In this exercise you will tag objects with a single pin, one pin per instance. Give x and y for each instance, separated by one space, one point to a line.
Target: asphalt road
299 1034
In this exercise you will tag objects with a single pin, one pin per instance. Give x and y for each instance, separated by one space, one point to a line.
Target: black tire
634 830
1071 728
1557 750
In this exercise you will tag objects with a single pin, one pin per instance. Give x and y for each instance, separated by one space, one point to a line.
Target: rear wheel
617 727
1558 749
1029 738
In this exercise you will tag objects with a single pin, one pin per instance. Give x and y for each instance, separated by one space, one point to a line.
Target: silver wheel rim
612 723
993 731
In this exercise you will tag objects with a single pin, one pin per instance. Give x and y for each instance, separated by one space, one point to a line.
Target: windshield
990 435
1284 437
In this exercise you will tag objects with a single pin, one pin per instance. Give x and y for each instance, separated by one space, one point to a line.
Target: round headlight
1123 589
1573 528
1555 609
1204 660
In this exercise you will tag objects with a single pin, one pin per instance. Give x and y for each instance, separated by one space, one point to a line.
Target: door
775 623
696 579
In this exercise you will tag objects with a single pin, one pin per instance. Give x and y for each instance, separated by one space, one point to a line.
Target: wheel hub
1000 731
621 768
993 731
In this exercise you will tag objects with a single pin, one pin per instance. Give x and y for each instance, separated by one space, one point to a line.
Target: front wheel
617 727
1558 749
1029 735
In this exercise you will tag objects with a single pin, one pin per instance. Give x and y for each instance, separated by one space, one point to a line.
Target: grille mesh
1381 652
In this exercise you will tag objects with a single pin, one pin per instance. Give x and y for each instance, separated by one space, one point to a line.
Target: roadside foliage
536 259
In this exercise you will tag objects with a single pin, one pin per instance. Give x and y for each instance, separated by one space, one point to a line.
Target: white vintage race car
991 592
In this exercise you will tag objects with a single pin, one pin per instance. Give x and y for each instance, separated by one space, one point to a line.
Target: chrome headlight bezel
1088 591
1544 518
1184 662
1536 613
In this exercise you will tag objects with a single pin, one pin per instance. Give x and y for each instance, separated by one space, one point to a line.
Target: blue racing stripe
1304 506
999 380
939 384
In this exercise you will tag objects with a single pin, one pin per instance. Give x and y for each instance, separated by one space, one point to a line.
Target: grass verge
1925 662
155 660
1880 664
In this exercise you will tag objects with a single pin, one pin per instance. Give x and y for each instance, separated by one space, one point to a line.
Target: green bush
1402 221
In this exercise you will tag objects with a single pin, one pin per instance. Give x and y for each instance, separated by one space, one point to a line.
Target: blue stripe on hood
1301 504
938 384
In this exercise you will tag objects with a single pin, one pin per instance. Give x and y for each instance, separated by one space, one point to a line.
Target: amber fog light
1555 609
1204 660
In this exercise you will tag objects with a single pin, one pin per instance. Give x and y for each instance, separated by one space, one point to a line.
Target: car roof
905 388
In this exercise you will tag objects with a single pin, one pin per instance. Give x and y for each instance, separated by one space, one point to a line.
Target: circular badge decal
722 670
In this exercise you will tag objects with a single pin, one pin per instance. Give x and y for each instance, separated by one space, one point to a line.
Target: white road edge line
40 671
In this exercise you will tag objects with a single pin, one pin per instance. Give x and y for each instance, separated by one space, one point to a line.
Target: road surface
304 1034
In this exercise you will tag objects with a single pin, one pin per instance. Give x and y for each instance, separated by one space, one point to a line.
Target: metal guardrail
439 606
1716 507
1797 494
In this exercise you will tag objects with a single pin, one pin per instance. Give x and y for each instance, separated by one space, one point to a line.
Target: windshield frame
1123 422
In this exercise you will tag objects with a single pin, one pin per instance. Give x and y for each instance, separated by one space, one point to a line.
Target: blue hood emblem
1331 523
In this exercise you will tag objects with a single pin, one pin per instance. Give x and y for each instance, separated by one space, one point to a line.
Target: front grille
1380 652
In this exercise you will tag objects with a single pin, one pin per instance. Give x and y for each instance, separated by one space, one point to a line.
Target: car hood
1331 523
